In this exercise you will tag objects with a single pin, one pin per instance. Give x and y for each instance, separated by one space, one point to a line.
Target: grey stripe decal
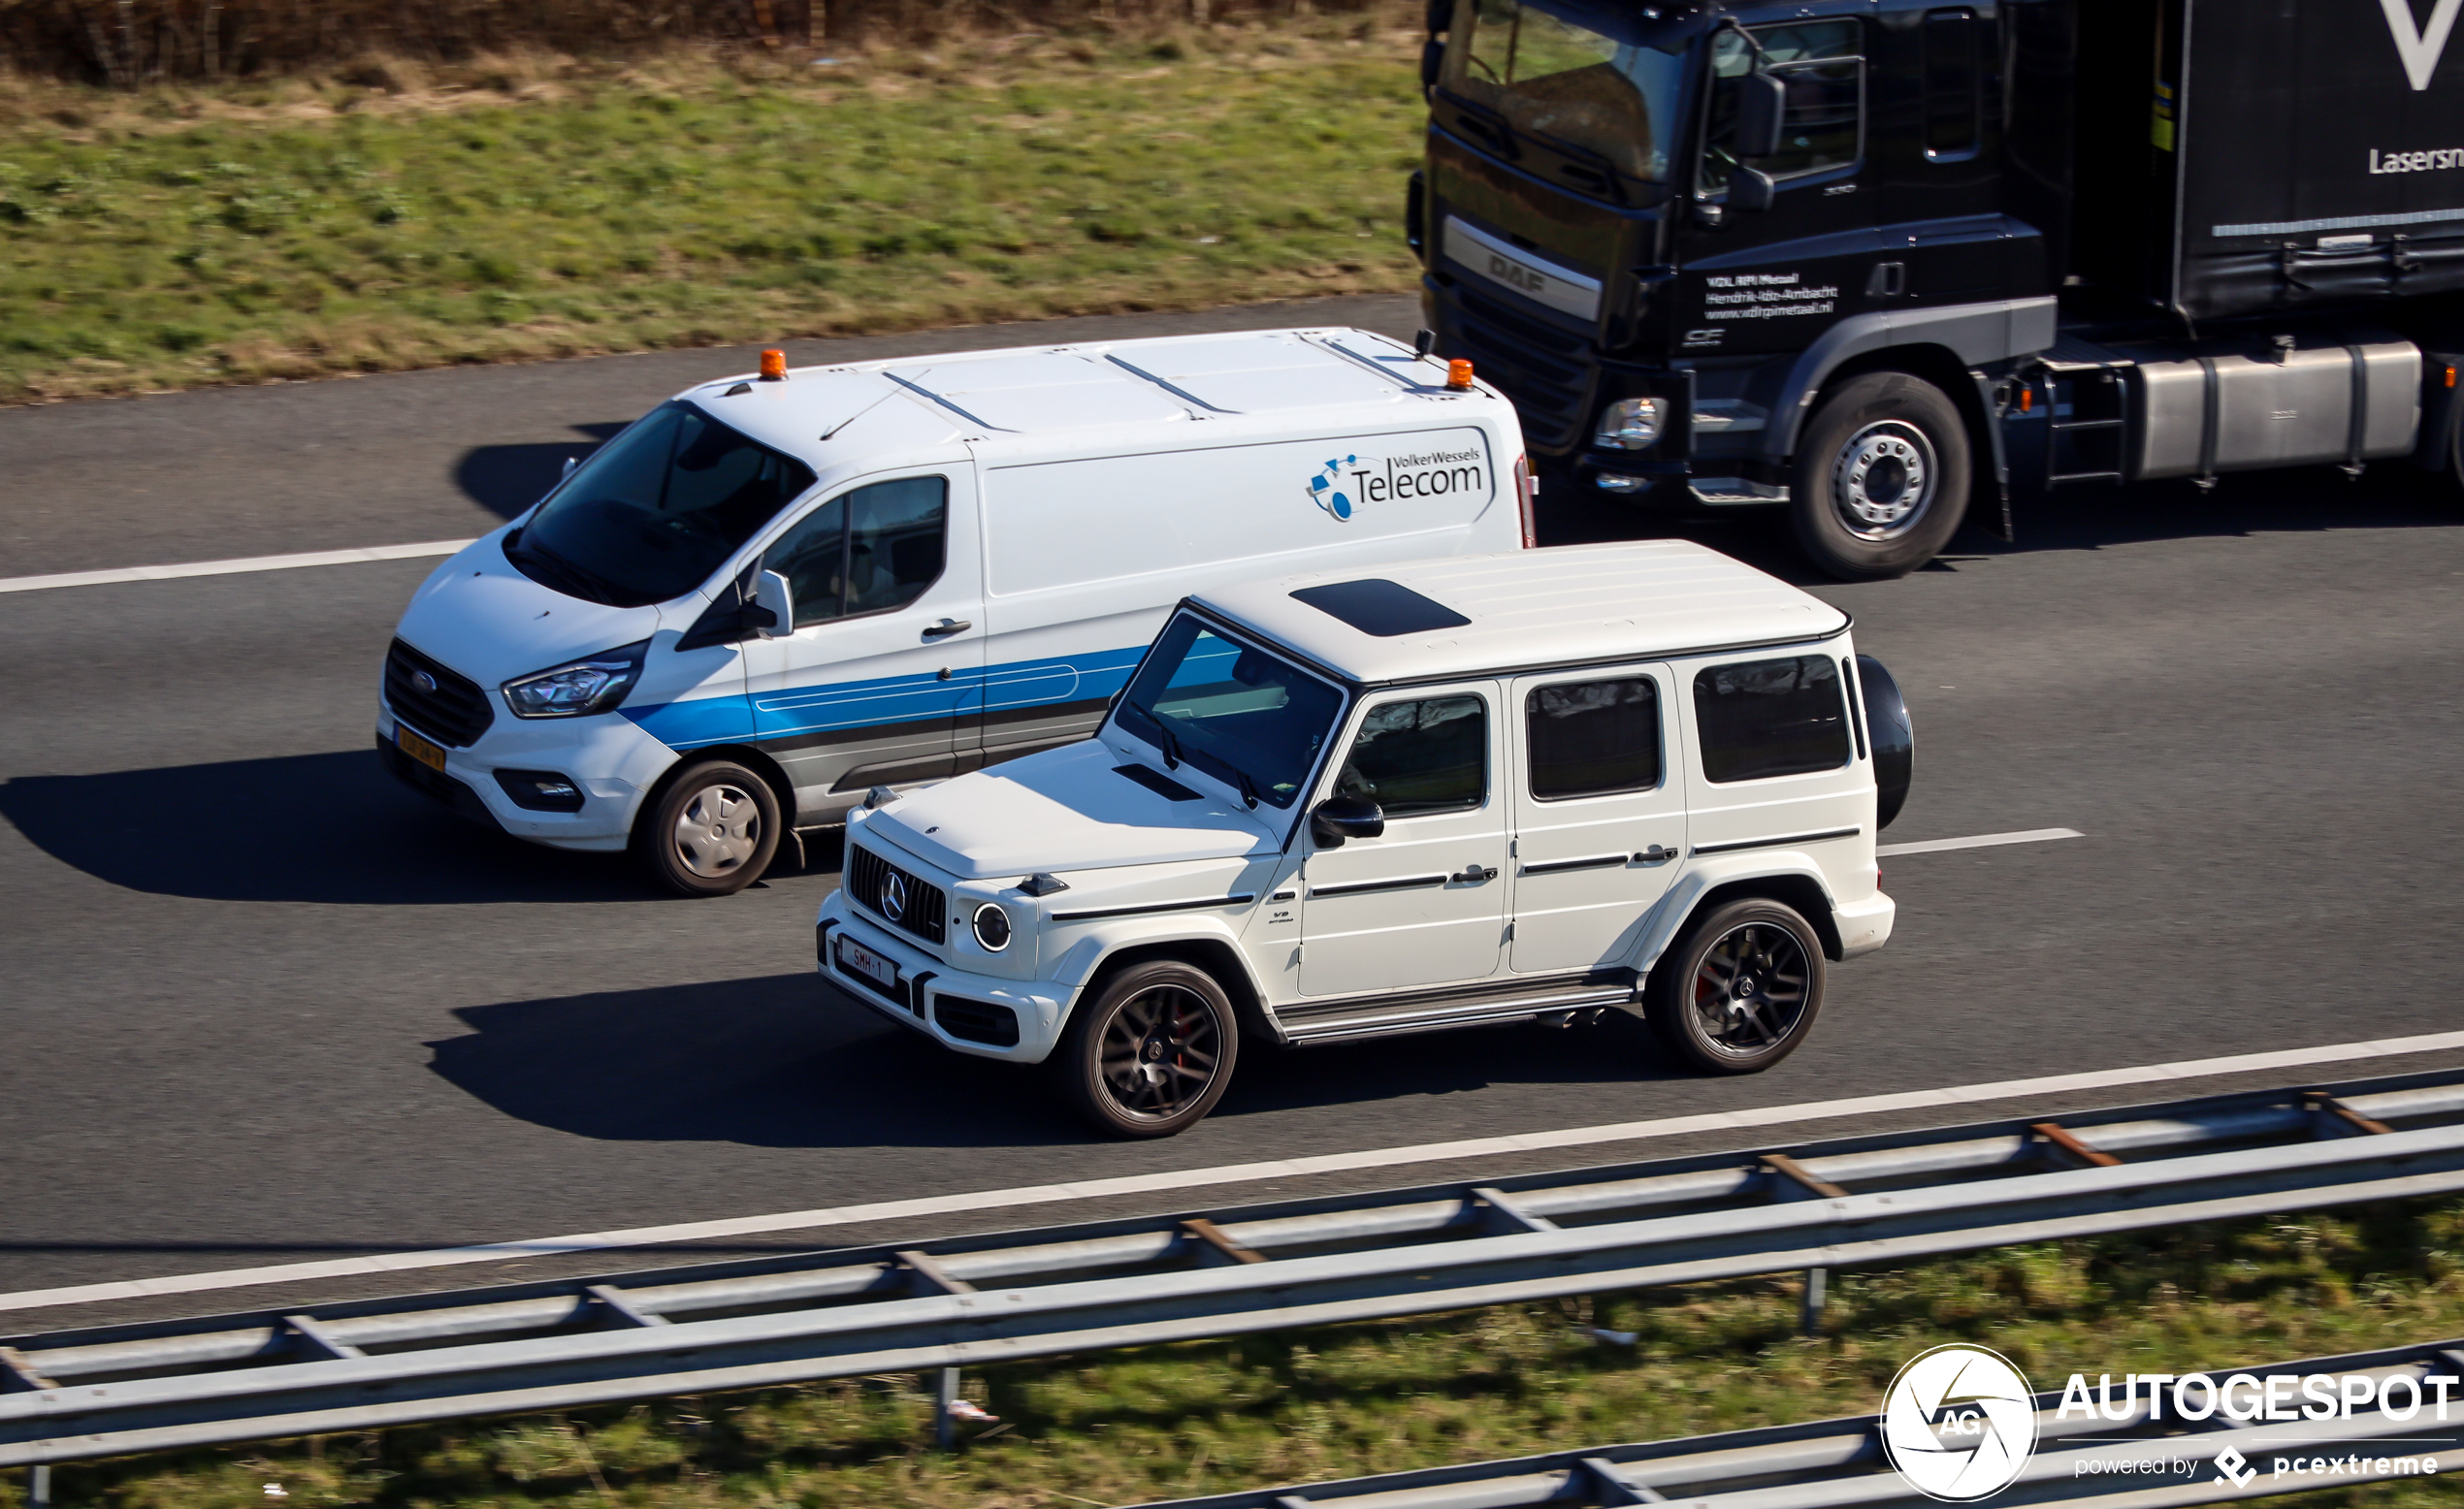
1363 888
2339 223
1775 843
1160 906
1597 862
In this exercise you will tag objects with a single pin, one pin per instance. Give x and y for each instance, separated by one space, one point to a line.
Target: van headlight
993 927
577 688
1631 423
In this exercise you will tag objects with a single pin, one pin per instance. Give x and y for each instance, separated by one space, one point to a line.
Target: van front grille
924 909
443 704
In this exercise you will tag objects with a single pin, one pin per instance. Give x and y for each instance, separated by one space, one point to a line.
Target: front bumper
964 1011
607 757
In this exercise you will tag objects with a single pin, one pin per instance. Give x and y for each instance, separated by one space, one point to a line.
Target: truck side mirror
773 596
1750 188
1339 819
1894 739
1761 102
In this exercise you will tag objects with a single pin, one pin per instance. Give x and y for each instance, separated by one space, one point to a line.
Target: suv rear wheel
711 831
1740 990
1152 1052
1882 478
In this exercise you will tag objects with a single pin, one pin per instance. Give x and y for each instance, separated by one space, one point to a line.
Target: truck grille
1545 371
456 711
926 911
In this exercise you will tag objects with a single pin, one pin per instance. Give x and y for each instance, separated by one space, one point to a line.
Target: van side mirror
1762 102
771 596
1339 819
1894 739
1750 188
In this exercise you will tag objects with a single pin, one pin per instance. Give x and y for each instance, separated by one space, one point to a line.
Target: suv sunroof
1380 607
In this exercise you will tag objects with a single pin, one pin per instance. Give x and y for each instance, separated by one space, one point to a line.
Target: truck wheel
1151 1053
1881 479
1740 990
712 830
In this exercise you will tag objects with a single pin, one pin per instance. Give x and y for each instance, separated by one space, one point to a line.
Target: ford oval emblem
423 681
893 897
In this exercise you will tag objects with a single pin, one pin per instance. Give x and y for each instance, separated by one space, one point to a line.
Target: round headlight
992 927
1630 424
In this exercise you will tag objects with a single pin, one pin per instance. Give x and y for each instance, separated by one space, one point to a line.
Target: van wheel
1881 481
712 830
1740 990
1151 1053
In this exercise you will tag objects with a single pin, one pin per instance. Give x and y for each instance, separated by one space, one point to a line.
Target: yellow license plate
418 747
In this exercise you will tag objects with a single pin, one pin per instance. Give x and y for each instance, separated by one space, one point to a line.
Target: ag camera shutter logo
1958 1423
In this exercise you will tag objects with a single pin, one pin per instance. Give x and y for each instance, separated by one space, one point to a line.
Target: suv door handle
1474 874
947 626
1655 854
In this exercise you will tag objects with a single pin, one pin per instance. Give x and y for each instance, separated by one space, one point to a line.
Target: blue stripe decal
838 706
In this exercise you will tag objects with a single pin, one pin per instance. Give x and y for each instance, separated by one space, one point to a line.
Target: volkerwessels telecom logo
1325 489
1958 1424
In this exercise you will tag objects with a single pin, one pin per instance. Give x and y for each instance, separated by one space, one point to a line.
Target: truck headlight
1631 423
578 688
993 927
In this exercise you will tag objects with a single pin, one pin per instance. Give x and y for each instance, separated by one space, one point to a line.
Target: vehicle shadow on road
783 1061
505 479
2390 495
333 828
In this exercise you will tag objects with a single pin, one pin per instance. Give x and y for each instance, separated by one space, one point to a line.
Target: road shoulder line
234 568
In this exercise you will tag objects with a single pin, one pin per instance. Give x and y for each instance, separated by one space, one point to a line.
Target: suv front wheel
1740 990
1152 1053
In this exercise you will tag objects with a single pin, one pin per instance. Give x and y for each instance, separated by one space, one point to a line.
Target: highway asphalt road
261 1005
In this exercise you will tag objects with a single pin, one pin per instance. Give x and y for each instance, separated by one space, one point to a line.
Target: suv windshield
1564 80
655 511
1236 713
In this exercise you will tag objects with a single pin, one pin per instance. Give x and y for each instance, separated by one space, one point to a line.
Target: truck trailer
1890 265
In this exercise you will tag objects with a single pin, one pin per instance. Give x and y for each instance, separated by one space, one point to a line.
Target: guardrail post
1810 1312
38 1494
945 1424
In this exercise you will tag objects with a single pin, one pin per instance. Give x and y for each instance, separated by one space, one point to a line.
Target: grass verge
1217 1416
387 218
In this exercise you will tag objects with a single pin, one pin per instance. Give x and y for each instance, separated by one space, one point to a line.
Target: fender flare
1977 334
1677 906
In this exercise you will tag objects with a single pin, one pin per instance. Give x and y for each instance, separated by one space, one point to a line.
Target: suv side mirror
1750 188
771 596
1761 101
1894 739
1339 819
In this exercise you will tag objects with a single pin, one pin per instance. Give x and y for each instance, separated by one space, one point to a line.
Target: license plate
418 747
858 959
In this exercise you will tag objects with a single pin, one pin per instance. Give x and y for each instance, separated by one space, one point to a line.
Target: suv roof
1568 604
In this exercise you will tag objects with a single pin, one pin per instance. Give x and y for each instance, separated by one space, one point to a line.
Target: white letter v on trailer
2420 49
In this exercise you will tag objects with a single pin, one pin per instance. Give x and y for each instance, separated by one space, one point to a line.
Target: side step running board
1370 1022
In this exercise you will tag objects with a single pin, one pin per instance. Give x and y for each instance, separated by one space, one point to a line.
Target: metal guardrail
1839 1464
987 1299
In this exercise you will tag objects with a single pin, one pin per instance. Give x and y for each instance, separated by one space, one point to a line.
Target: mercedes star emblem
893 897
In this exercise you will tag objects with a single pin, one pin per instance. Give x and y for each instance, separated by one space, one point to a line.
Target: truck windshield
655 511
1252 720
1560 79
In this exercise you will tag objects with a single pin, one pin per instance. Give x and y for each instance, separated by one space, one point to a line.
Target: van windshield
1567 80
655 511
1252 720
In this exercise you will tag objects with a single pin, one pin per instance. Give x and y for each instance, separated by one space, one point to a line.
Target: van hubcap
1883 482
716 831
1749 991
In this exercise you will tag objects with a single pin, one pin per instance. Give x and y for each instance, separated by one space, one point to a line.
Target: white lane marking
162 573
1945 1097
1936 845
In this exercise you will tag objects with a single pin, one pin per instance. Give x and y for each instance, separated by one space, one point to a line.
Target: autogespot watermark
1960 1425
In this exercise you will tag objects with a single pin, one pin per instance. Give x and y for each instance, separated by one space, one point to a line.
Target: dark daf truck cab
1890 264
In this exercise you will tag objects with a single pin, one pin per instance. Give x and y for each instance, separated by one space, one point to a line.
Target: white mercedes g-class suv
1541 785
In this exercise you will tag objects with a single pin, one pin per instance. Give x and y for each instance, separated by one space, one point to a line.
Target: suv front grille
457 711
926 908
1545 371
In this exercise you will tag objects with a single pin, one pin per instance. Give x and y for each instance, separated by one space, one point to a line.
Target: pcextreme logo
1958 1423
2420 47
1345 483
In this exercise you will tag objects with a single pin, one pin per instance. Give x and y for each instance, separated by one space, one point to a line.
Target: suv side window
1822 126
868 551
1416 759
1593 738
1760 719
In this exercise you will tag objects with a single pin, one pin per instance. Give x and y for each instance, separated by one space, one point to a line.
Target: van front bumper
608 759
990 1016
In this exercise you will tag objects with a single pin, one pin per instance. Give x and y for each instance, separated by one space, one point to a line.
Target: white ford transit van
768 596
1451 794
